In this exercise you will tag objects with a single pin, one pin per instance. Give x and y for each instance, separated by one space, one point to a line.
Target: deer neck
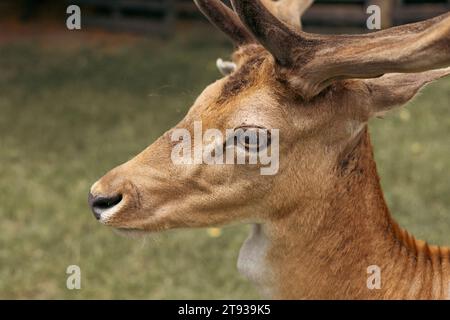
323 249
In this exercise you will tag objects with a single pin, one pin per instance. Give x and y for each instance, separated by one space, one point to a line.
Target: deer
322 220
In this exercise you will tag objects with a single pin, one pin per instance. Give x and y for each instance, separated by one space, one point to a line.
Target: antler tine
274 35
225 20
289 11
409 48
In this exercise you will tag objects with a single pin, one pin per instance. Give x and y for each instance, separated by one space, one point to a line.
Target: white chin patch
225 67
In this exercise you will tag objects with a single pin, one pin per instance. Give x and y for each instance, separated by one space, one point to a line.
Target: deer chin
132 232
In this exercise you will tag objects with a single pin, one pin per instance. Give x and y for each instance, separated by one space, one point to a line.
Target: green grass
68 116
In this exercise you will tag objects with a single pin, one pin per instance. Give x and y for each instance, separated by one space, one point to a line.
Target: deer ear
225 67
396 89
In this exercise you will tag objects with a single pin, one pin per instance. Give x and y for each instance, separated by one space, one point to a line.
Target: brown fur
246 75
326 257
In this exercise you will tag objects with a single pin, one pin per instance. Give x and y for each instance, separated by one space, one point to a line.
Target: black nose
100 204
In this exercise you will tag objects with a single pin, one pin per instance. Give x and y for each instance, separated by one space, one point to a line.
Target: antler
314 61
288 11
273 34
225 20
406 49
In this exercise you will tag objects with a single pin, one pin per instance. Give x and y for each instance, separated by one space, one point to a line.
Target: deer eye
253 139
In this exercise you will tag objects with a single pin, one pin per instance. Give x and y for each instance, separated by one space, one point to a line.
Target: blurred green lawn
69 115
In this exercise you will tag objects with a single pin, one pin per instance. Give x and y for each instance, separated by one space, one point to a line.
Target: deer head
320 92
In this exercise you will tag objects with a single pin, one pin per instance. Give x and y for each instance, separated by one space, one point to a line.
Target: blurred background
74 104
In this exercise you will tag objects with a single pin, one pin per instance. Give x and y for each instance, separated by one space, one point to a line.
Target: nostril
100 204
106 203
